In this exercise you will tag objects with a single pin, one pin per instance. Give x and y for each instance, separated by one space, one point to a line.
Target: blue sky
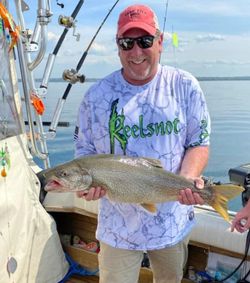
214 36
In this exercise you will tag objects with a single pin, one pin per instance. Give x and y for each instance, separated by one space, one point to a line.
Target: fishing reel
65 21
241 176
72 76
69 22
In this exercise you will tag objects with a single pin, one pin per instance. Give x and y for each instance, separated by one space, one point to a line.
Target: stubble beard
140 76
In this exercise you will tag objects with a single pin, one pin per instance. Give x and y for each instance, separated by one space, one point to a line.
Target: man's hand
186 196
193 163
241 221
93 193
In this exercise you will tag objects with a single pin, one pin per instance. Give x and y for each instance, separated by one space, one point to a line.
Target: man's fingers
102 193
240 224
189 198
81 194
97 193
186 196
198 199
93 193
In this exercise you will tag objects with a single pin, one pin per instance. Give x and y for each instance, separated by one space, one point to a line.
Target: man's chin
138 78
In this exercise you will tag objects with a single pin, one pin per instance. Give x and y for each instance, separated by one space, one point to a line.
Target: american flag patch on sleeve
76 133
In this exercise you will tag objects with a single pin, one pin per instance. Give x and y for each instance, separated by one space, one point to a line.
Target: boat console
241 175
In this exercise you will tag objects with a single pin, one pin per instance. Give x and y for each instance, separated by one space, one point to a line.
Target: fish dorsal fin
149 207
152 162
130 160
141 161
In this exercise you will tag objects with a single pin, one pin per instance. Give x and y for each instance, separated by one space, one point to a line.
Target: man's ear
161 38
160 41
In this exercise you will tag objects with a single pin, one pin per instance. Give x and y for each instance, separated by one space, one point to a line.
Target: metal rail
28 82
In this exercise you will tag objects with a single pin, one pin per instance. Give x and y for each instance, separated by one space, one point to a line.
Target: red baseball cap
137 16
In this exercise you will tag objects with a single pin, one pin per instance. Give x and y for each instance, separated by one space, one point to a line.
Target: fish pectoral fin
149 207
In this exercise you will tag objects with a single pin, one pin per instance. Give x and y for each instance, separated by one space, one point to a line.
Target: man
148 110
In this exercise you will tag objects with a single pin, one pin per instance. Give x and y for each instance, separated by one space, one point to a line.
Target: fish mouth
54 185
59 186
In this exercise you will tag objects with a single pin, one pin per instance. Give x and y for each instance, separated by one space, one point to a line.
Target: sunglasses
144 42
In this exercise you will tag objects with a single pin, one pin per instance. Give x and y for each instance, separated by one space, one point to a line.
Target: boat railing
36 41
26 69
43 18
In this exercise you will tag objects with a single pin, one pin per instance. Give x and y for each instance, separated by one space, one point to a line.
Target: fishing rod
68 22
72 76
164 24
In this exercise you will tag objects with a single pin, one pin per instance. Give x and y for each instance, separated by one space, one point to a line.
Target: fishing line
62 100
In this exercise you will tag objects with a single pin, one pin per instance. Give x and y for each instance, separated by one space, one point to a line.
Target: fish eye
63 174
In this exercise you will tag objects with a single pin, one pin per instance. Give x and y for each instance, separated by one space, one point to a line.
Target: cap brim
148 28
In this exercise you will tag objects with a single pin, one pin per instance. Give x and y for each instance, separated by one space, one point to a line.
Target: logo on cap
137 16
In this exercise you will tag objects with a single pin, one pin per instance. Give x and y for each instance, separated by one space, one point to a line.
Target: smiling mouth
138 62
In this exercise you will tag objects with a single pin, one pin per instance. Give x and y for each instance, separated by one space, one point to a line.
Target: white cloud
209 37
99 49
52 36
212 55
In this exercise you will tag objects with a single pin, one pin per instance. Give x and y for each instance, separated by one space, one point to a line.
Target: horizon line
202 78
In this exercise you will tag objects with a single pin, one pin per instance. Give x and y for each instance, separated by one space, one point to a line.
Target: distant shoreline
240 78
204 79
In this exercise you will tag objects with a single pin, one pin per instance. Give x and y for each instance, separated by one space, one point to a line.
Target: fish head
62 178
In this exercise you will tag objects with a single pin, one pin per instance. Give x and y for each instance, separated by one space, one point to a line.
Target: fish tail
222 194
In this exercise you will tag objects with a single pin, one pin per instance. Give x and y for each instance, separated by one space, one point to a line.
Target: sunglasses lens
145 42
126 43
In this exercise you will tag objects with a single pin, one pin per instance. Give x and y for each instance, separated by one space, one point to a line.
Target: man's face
140 65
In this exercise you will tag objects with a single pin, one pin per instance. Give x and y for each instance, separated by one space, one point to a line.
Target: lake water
229 106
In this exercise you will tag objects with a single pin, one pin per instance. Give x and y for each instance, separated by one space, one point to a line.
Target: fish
137 180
